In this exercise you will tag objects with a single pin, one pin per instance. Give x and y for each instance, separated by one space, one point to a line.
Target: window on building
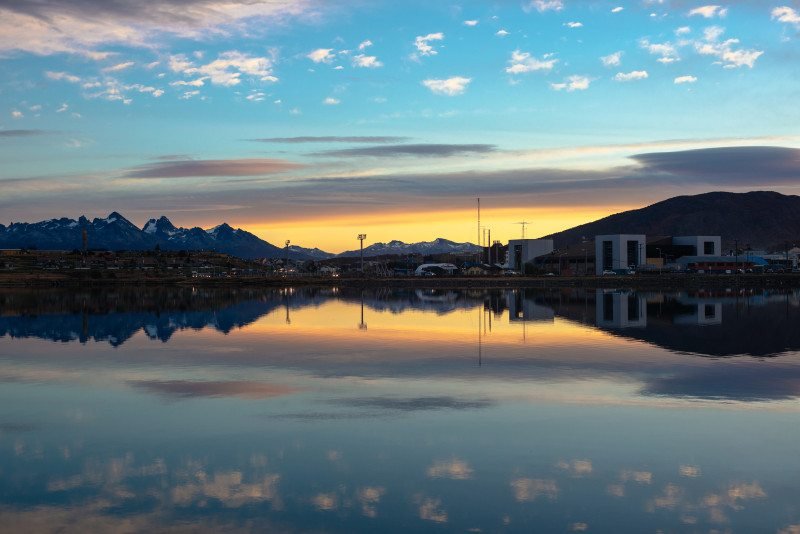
633 253
710 311
518 258
608 256
708 248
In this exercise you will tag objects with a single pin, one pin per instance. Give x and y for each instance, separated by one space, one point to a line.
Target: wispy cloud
331 101
544 5
730 56
709 12
631 76
573 83
448 86
332 139
6 134
522 62
470 23
423 43
228 69
192 389
368 62
80 27
321 55
425 150
685 79
666 51
612 60
119 66
211 168
786 14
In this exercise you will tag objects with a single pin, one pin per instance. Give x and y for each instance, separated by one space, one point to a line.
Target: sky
316 121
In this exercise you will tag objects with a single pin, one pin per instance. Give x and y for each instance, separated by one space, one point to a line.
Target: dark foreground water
414 410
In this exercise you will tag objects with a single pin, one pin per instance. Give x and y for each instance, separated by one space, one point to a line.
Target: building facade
703 245
521 251
619 252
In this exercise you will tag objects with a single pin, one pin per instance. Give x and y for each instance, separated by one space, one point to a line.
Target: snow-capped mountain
399 248
115 232
311 253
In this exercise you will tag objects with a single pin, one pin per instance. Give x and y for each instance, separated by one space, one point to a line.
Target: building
522 251
719 264
619 252
701 245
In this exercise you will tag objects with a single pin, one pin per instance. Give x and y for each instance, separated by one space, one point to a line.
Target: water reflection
396 410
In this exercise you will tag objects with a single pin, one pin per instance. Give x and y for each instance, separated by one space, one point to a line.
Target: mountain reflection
711 323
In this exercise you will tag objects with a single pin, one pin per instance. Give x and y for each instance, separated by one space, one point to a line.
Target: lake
341 410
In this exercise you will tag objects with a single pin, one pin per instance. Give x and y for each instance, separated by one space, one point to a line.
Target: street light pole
286 263
361 238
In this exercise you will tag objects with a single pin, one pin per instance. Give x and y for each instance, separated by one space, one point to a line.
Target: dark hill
761 219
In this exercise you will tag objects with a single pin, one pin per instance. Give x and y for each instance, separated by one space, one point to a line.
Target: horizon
315 123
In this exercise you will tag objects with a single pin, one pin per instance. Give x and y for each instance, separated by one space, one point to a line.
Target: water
414 410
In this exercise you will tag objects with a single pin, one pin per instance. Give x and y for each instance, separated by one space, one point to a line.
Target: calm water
326 410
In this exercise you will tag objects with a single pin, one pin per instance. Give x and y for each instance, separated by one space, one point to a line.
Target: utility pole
524 224
479 220
286 263
361 238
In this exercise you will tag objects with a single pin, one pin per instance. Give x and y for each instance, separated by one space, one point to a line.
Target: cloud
62 108
448 86
119 66
81 26
415 404
364 61
685 79
617 9
62 76
332 139
522 62
502 32
470 23
736 164
545 5
330 101
189 388
227 69
612 60
667 51
631 76
786 14
6 134
709 12
431 510
423 43
730 57
683 30
17 114
573 24
189 94
364 44
424 150
572 83
211 167
321 55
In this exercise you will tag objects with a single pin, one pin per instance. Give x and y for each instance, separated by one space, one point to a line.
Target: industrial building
619 252
522 251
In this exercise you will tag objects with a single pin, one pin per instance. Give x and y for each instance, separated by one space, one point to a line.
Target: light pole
361 238
286 263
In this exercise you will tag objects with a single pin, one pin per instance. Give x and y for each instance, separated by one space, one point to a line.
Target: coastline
663 281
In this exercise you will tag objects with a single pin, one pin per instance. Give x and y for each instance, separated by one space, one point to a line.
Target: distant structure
85 238
702 245
619 252
521 251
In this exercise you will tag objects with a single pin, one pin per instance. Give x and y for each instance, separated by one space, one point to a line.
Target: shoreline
663 281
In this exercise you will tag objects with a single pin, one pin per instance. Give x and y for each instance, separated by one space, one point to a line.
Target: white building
521 251
704 245
619 252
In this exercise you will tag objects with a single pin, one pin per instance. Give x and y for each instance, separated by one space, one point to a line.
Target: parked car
609 273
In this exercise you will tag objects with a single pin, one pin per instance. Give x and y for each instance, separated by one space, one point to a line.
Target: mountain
398 248
115 232
760 219
310 253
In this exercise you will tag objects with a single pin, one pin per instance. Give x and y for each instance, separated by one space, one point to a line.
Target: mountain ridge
759 219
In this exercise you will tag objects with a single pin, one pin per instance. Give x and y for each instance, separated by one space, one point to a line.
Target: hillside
760 219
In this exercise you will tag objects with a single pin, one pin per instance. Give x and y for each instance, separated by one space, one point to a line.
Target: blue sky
538 107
